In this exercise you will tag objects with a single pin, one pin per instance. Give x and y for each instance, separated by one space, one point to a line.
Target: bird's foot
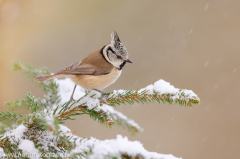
70 100
102 94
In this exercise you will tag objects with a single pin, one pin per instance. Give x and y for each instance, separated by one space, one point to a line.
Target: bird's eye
119 57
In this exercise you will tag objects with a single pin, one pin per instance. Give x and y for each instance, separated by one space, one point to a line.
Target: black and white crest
115 40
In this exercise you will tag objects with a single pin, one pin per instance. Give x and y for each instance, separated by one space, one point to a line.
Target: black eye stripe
109 48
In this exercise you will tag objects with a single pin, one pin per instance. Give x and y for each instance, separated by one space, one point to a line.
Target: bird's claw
102 94
70 100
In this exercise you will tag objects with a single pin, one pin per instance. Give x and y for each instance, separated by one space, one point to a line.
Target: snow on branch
160 91
27 139
120 147
89 103
41 132
123 120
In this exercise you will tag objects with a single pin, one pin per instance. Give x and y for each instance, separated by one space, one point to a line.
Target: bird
98 69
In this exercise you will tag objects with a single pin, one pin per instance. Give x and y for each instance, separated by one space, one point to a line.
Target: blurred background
191 44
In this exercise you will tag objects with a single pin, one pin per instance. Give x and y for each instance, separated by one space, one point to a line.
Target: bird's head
115 52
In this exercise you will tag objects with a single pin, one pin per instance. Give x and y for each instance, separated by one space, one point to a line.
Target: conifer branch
4 126
102 116
182 97
49 87
123 120
42 127
30 103
11 116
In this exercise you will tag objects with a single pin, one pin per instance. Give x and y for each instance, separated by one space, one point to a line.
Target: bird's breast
96 81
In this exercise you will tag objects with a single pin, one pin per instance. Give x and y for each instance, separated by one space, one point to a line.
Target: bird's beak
128 61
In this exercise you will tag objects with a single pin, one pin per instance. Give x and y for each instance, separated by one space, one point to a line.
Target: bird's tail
45 78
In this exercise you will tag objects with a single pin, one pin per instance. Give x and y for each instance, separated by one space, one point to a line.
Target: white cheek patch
105 52
116 64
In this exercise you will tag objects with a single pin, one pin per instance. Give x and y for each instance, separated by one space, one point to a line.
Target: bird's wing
93 64
79 68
